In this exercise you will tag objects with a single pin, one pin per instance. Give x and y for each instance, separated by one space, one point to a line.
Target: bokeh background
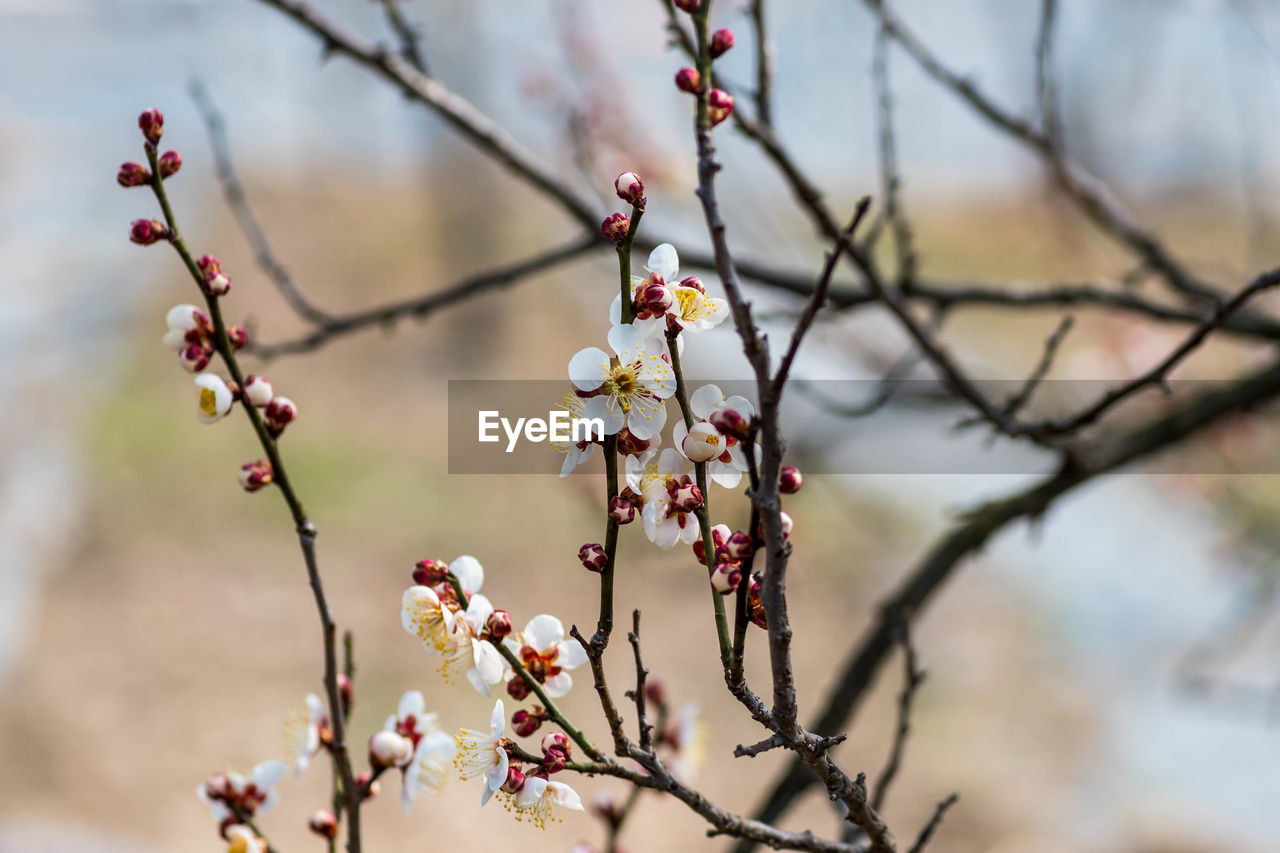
1103 682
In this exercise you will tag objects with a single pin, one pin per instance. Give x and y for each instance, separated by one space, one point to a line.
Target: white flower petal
558 685
613 416
626 340
411 704
564 795
705 400
543 632
647 417
572 655
469 572
587 368
665 262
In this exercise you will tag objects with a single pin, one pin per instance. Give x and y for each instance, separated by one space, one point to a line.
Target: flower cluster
234 797
719 102
412 742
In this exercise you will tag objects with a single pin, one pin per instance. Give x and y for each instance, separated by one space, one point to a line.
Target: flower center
208 402
687 300
625 382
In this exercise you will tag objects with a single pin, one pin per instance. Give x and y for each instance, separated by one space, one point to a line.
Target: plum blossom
546 654
433 750
537 797
214 398
692 308
663 266
481 754
248 794
631 389
660 478
468 651
575 453
305 731
727 466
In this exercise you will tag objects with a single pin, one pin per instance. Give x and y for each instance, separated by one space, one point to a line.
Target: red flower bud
552 762
323 823
237 337
556 741
690 6
629 187
216 282
518 689
593 557
687 497
621 510
346 691
278 414
515 781
169 164
430 572
721 41
255 475
133 175
694 282
366 780
615 226
629 445
144 232
151 123
654 299
195 358
725 578
656 692
689 80
790 480
719 106
730 422
498 625
525 722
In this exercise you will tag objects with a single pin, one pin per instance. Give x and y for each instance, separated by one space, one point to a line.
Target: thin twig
912 678
410 36
765 58
934 822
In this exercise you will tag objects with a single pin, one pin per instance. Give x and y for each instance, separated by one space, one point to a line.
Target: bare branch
912 678
409 35
764 63
934 822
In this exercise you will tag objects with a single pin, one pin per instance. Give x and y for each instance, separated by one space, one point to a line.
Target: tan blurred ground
182 631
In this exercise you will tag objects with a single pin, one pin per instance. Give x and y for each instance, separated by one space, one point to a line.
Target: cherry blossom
546 654
537 797
727 466
631 389
305 731
658 478
481 754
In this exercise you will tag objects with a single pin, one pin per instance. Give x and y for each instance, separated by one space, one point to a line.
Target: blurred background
1106 681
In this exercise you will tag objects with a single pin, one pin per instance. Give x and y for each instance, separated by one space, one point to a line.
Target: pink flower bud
694 282
255 475
615 227
217 787
687 497
144 232
721 41
629 187
237 337
689 80
730 422
654 299
787 525
790 480
430 572
703 443
552 762
346 691
194 358
278 414
719 106
323 823
593 557
755 607
257 390
518 689
719 535
169 164
690 6
216 282
556 741
515 781
388 749
726 577
655 691
739 546
151 123
133 175
621 510
498 624
525 722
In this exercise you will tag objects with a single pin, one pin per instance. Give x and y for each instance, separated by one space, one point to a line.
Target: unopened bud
739 546
629 445
694 282
278 414
255 475
621 510
214 281
144 232
518 689
721 41
719 535
593 557
525 722
690 6
257 390
323 823
687 497
194 358
366 782
787 525
430 572
133 175
615 226
217 786
719 106
169 164
552 762
556 741
730 422
790 480
629 187
515 781
237 337
151 123
689 80
725 578
656 692
388 749
498 624
654 299
346 691
755 606
703 443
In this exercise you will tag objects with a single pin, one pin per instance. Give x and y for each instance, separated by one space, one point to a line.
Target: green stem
702 513
624 260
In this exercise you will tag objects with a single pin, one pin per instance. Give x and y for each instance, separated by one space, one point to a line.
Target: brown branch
763 95
638 697
912 678
934 822
410 37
